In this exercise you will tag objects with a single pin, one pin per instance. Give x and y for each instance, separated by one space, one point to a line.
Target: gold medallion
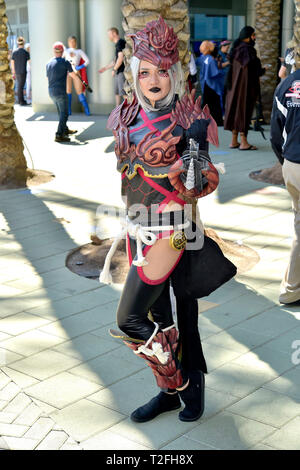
178 240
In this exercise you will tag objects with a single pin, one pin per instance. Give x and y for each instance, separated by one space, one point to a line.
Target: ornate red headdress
156 43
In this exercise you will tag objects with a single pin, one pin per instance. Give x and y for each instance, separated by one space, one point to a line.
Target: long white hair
177 86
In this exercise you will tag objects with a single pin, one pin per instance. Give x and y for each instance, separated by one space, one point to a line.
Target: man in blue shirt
57 71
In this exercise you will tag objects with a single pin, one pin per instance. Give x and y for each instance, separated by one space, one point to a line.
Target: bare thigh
161 258
69 84
78 85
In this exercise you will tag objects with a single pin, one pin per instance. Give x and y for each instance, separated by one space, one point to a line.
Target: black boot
157 405
193 397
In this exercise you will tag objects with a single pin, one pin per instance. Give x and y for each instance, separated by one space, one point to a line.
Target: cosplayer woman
79 61
160 172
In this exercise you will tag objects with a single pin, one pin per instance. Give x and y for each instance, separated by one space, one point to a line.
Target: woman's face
72 43
253 37
225 49
155 83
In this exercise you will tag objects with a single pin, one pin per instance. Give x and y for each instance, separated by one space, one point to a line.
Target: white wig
176 77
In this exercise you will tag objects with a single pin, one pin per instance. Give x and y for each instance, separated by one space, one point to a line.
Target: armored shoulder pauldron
152 145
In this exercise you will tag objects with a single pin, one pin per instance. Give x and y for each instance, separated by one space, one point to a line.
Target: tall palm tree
138 12
297 23
12 161
296 34
267 27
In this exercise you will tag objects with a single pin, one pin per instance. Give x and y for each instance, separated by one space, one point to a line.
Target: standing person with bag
161 148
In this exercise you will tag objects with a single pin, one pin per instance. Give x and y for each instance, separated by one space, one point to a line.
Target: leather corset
138 191
150 144
154 147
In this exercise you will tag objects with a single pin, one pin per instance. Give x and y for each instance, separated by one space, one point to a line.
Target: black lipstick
154 89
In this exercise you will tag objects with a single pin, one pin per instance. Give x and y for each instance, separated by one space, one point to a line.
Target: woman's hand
198 132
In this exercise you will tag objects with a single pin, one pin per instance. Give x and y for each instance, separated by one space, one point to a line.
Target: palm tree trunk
267 28
12 161
296 36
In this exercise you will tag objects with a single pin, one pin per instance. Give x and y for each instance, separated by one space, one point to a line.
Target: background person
285 140
117 64
223 64
57 70
19 60
243 88
211 80
193 72
288 63
28 77
79 61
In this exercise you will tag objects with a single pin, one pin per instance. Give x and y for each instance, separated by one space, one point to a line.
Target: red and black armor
149 146
162 156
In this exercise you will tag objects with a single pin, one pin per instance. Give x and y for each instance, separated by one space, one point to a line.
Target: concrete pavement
64 383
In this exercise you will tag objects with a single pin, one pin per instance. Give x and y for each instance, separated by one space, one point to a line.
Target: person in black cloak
243 88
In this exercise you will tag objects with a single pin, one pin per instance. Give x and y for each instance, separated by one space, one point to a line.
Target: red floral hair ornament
156 43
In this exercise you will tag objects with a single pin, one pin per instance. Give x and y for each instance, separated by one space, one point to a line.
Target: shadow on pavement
96 124
80 313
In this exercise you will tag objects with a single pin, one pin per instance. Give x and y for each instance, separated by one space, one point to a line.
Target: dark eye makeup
161 73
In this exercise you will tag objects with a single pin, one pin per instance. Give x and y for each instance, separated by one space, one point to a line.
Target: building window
17 25
23 15
12 16
214 28
209 27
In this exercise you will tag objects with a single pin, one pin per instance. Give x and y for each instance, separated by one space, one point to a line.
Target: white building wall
49 21
251 16
88 20
99 17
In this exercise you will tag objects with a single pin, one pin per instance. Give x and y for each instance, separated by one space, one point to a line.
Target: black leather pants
138 298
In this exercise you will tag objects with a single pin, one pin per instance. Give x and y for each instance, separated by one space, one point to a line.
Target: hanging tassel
141 260
105 275
156 351
220 167
142 236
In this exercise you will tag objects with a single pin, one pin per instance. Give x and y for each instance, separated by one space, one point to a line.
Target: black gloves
198 132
